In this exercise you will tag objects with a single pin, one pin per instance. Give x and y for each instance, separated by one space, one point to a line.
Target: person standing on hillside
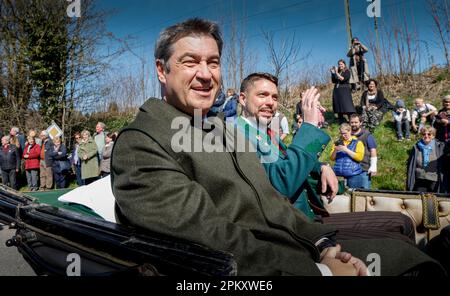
358 64
342 95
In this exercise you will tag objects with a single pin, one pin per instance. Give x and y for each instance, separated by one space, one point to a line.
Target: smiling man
222 199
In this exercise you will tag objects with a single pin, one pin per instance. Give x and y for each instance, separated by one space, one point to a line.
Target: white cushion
97 196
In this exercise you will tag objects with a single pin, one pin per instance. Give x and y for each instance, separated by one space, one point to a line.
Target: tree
440 12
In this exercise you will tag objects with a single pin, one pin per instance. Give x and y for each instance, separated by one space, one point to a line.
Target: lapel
260 140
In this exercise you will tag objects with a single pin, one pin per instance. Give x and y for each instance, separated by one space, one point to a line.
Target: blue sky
319 25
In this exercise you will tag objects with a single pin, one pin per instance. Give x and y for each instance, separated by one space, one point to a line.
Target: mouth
266 112
204 91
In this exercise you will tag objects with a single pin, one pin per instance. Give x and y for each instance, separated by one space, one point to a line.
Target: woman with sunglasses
425 164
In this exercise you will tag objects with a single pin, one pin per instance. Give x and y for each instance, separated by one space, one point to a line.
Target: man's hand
329 180
343 263
309 106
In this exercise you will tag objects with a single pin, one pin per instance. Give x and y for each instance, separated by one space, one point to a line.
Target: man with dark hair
302 179
161 185
369 162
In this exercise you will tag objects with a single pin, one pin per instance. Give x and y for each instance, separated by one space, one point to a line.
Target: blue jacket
345 166
48 148
230 109
57 156
9 160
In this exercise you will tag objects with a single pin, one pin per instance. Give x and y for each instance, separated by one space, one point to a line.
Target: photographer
358 64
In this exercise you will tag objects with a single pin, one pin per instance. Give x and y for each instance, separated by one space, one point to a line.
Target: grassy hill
392 155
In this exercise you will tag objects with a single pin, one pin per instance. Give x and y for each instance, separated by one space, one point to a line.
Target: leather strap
430 211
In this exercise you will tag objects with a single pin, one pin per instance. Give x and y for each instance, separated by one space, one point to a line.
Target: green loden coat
89 167
224 200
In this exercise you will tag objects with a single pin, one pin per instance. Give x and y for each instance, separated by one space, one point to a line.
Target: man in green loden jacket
172 176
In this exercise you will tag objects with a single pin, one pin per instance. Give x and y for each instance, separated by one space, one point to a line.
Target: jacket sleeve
363 101
230 108
35 153
346 76
63 154
107 152
288 174
152 191
411 175
90 149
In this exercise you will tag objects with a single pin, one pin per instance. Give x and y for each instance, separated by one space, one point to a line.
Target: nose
204 72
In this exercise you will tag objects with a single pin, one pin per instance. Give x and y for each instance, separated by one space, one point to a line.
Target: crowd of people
46 162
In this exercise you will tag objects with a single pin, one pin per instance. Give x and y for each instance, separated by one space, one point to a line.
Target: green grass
392 155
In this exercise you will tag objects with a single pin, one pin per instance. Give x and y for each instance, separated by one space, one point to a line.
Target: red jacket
32 162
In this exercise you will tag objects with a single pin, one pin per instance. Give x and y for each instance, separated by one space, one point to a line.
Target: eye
190 63
214 64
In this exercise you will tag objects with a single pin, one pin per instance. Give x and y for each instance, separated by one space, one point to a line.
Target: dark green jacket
222 200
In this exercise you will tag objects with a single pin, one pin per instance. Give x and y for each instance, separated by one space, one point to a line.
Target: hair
190 27
342 61
418 99
101 124
77 134
16 129
30 138
446 98
32 133
250 80
354 38
45 133
372 80
112 136
231 90
356 115
7 137
428 129
56 139
86 132
345 127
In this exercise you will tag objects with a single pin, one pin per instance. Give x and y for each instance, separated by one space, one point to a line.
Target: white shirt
416 110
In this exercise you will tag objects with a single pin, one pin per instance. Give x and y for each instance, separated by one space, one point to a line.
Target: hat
400 103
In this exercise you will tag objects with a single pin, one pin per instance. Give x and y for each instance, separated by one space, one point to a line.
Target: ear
160 71
242 98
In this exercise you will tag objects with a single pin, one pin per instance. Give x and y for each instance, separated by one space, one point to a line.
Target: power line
323 20
245 18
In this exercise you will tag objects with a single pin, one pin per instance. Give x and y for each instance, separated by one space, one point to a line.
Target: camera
339 142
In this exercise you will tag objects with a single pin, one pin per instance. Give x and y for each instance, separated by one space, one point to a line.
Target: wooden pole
349 23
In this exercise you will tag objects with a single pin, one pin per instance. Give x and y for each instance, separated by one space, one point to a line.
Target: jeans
80 181
9 178
399 125
366 182
355 181
60 180
32 179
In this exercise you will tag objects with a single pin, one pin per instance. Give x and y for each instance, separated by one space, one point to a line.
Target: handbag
64 165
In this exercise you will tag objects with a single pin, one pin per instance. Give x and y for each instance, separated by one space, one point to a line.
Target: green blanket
51 198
